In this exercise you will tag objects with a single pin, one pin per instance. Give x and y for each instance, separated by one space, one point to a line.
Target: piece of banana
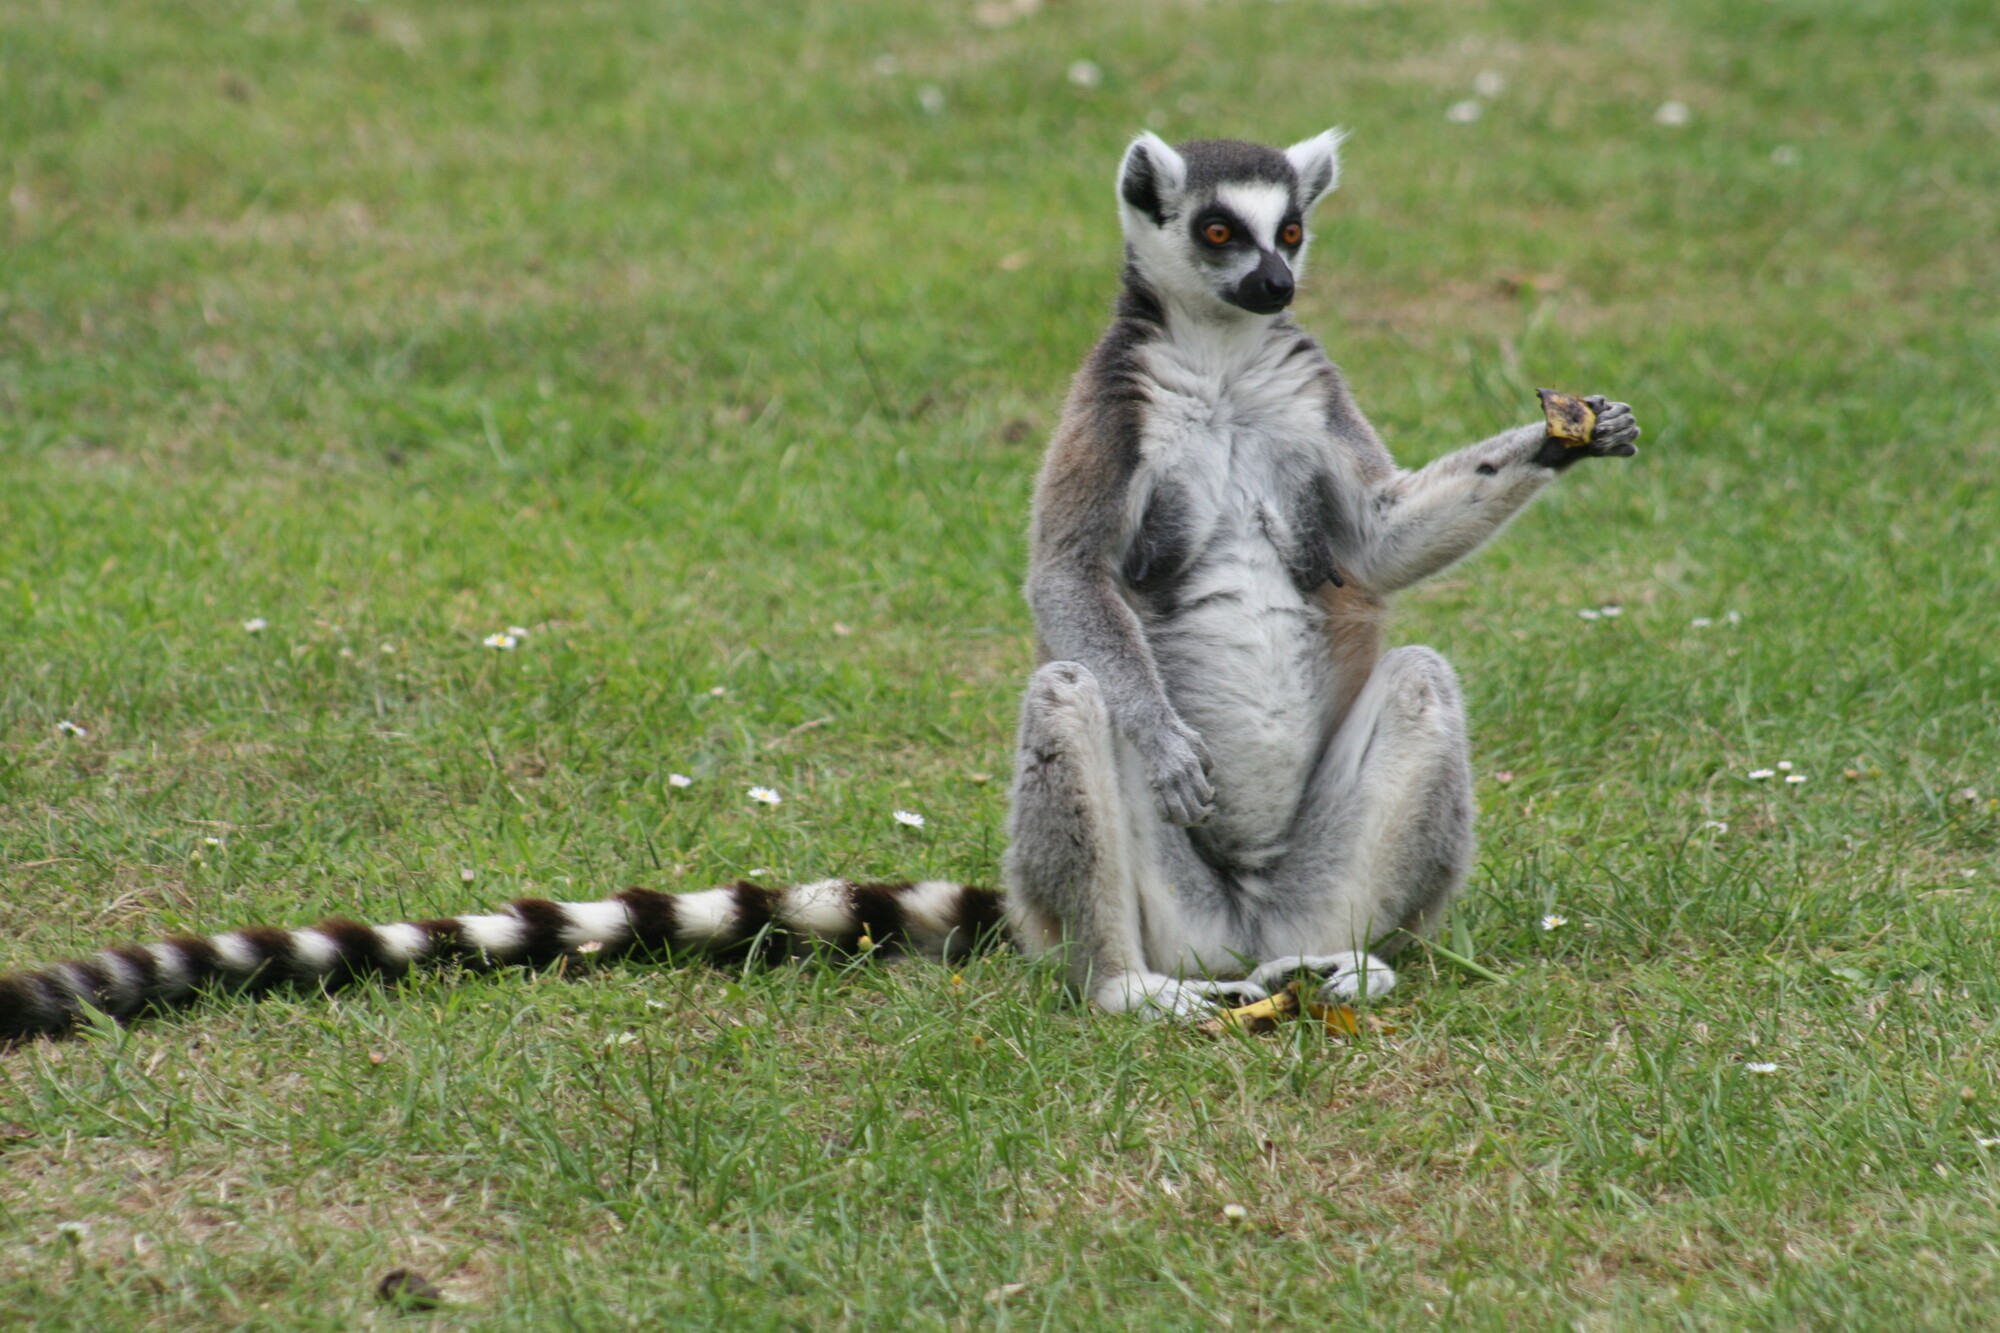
1340 1020
1570 419
1263 1016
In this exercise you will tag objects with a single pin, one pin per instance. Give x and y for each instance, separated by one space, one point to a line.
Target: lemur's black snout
1268 290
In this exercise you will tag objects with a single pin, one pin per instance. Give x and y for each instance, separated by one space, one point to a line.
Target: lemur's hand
1611 437
1616 429
1177 766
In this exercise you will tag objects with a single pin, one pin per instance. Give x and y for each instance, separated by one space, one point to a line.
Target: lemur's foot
1347 977
1235 992
1155 995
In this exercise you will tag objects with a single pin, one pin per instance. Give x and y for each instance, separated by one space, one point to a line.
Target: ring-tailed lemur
1219 771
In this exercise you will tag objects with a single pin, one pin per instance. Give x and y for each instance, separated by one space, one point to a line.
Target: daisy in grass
765 796
503 643
679 780
1554 921
69 728
909 819
256 625
1761 1068
1760 774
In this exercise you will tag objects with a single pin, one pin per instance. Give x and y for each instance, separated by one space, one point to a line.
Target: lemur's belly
1245 661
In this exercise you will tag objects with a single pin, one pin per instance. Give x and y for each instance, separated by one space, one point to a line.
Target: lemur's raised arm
1410 525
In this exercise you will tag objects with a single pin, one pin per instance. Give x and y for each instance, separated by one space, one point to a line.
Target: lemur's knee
1063 700
1064 685
1422 686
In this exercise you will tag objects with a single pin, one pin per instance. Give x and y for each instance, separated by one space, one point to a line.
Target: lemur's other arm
1080 615
1413 524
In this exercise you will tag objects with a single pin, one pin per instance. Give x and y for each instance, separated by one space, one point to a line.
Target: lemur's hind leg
1084 866
1384 834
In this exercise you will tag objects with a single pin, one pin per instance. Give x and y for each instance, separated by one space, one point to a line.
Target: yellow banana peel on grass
1264 1016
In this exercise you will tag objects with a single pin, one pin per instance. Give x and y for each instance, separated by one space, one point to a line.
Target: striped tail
935 918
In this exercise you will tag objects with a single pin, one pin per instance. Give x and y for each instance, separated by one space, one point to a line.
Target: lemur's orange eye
1293 233
1218 233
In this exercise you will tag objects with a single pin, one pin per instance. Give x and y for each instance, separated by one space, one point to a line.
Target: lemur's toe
1370 980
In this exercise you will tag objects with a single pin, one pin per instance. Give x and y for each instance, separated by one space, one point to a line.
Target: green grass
683 336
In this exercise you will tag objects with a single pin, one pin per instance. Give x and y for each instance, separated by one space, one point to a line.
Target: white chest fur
1236 439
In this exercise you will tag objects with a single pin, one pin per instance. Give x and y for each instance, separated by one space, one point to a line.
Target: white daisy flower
1611 612
679 780
909 819
256 625
467 874
1235 1212
1794 779
1784 765
765 796
211 842
1589 613
69 728
1553 921
1761 1067
500 642
1759 774
72 1231
1987 1143
1719 825
1464 113
1085 74
1674 115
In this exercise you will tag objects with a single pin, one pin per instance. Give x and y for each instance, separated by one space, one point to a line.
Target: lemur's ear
1317 160
1150 172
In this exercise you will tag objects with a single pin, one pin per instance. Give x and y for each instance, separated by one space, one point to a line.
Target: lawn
714 346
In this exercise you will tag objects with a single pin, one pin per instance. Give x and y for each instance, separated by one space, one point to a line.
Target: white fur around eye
1262 208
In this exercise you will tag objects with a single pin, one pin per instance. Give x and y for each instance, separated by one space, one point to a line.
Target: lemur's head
1221 225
